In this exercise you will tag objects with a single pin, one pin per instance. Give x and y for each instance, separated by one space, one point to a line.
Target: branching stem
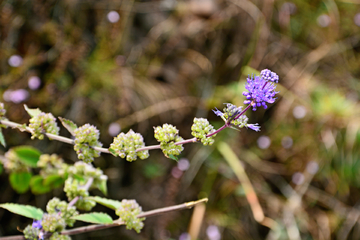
106 150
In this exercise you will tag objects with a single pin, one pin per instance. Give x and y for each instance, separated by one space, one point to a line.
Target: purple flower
268 75
37 224
260 90
218 112
254 127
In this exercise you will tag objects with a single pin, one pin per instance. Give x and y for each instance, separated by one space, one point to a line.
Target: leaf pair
95 217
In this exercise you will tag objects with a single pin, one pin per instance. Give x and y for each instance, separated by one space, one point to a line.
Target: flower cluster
40 229
52 222
235 117
168 135
32 232
268 75
79 175
125 145
61 208
200 129
261 89
52 164
86 171
58 236
43 123
12 162
73 188
128 212
87 137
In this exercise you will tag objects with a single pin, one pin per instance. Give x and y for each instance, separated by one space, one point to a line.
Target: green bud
43 123
87 137
52 222
201 128
168 135
31 233
73 188
125 145
62 208
58 236
128 212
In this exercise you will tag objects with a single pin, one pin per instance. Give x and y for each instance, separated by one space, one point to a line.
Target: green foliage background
170 61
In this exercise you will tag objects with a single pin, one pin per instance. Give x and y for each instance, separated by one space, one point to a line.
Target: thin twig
100 149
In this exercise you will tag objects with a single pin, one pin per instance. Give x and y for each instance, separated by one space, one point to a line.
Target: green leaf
23 210
20 181
28 155
33 112
2 139
53 181
95 217
113 204
1 168
173 157
69 125
102 187
37 185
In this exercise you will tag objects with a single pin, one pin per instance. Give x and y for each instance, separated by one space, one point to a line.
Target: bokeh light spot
323 20
113 16
263 142
114 129
213 232
298 178
34 82
299 112
183 164
15 61
312 167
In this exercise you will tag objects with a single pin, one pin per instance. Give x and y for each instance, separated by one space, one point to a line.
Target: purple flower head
37 224
231 111
260 91
254 127
269 76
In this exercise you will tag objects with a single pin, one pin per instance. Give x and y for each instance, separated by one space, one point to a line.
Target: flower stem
219 130
105 150
247 108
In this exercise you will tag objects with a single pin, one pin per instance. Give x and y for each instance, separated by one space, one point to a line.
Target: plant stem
219 130
247 108
118 222
106 150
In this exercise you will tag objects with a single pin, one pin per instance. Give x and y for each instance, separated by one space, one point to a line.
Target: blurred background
124 65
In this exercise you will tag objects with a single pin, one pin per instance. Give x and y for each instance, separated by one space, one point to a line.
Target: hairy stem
100 149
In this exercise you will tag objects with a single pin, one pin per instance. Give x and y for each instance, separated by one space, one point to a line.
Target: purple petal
254 127
37 224
218 112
